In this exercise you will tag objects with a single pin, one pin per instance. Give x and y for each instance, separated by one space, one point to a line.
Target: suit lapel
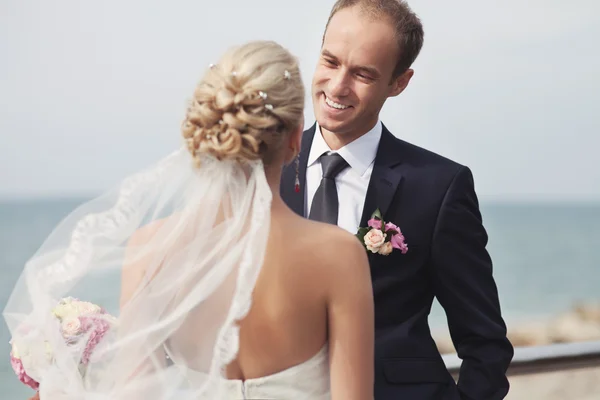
385 178
296 200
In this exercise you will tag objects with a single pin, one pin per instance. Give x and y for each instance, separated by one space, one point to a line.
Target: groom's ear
401 82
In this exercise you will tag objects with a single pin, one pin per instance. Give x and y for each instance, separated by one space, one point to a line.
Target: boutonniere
381 237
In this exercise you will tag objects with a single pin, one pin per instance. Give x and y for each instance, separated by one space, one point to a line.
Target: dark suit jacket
433 201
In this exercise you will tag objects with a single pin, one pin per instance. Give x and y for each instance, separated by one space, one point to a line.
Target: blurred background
93 91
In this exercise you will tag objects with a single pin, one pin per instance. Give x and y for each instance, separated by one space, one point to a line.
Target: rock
571 328
532 334
581 324
588 312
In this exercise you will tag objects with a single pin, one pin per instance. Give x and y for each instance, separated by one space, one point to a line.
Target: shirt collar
359 154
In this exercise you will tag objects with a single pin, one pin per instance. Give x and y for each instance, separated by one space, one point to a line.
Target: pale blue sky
93 90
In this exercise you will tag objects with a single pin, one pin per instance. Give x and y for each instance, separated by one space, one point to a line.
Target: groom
367 51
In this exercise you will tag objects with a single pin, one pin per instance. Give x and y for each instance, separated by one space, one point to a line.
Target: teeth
334 104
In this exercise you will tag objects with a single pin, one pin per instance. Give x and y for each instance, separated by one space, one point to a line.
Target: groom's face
353 77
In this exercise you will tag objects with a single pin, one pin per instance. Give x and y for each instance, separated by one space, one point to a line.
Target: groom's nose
339 84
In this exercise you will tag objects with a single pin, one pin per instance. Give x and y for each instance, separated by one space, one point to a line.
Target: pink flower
99 328
374 239
374 223
390 226
386 249
398 242
17 366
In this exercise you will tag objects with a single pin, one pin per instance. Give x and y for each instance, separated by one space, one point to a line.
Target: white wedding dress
307 380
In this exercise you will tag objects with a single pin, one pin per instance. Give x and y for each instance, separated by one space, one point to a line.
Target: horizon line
484 199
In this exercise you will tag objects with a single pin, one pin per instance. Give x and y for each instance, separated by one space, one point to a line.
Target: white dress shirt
353 182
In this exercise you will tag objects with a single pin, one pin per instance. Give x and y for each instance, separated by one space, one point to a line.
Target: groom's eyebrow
373 72
327 54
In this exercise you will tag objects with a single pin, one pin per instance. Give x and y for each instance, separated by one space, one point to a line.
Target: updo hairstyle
246 105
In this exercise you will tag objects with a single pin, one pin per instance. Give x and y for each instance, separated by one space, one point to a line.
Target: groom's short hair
408 27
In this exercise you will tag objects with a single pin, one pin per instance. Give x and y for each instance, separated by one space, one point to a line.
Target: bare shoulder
144 234
135 264
339 249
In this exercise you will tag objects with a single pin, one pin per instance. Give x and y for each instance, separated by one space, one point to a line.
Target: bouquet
381 237
82 325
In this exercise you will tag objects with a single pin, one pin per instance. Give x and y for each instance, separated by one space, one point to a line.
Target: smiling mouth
335 105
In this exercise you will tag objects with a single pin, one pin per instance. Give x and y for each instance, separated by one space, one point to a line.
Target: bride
219 290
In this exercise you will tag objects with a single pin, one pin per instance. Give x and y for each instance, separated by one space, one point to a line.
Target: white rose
71 327
386 249
374 239
14 350
87 308
60 312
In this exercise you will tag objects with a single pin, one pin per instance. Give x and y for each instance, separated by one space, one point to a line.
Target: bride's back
287 323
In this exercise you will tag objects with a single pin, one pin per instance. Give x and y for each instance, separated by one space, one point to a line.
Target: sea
546 259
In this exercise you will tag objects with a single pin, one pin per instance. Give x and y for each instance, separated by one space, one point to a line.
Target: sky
91 91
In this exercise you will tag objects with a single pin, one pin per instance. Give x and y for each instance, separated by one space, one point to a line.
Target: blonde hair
244 107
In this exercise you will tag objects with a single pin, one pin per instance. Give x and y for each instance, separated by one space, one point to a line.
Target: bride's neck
273 176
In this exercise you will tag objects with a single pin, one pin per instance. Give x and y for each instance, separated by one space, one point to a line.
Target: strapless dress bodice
308 380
